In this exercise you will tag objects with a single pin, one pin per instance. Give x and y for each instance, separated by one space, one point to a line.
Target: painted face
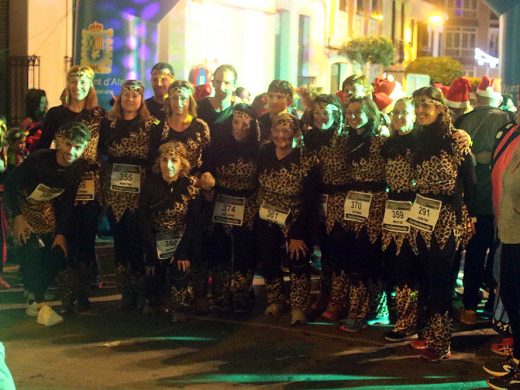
356 117
43 104
224 84
180 102
131 101
324 115
170 167
161 80
79 87
240 125
69 152
282 134
426 111
403 117
277 102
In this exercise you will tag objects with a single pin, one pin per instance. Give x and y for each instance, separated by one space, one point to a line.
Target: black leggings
510 290
128 251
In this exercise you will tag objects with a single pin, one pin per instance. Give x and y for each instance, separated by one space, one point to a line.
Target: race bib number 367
125 178
273 213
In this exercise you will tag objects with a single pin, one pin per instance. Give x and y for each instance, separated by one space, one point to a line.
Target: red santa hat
443 88
458 93
488 88
382 100
385 84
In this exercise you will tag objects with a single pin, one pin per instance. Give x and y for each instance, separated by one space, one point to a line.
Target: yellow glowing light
436 20
377 16
408 35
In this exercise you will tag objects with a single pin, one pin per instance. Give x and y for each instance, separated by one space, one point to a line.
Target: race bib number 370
357 206
125 178
425 213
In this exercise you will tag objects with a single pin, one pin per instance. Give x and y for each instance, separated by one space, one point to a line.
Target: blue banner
119 40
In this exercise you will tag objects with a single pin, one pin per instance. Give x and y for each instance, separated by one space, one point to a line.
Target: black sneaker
396 336
499 368
506 382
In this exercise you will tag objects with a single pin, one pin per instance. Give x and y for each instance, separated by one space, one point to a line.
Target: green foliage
376 50
441 69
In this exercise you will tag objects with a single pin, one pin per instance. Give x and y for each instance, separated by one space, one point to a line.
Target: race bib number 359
125 178
425 213
396 216
229 210
357 206
272 213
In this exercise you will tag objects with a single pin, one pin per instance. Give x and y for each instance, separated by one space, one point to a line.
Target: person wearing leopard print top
445 181
79 104
231 244
183 125
169 216
286 200
328 139
126 152
401 262
363 211
39 198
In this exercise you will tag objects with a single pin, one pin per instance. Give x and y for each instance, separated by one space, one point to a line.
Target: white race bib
357 206
272 213
86 189
322 210
229 210
396 216
166 244
42 193
125 178
425 213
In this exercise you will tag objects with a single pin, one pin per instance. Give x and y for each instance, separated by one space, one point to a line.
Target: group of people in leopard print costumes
195 211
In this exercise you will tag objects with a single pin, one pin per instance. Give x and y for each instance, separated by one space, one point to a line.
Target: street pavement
108 348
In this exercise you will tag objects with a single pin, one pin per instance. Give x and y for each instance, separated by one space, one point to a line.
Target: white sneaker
298 317
33 309
48 317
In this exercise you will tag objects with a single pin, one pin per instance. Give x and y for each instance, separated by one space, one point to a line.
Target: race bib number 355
125 178
272 213
425 213
357 206
229 210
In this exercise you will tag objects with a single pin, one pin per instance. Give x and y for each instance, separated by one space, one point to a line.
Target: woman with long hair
439 219
126 144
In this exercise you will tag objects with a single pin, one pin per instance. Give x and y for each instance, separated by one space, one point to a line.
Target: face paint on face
180 102
426 111
282 134
170 166
324 115
240 125
356 117
402 117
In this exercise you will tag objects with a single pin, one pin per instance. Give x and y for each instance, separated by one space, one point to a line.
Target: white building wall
49 32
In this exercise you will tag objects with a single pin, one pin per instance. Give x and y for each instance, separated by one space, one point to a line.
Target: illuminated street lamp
435 28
